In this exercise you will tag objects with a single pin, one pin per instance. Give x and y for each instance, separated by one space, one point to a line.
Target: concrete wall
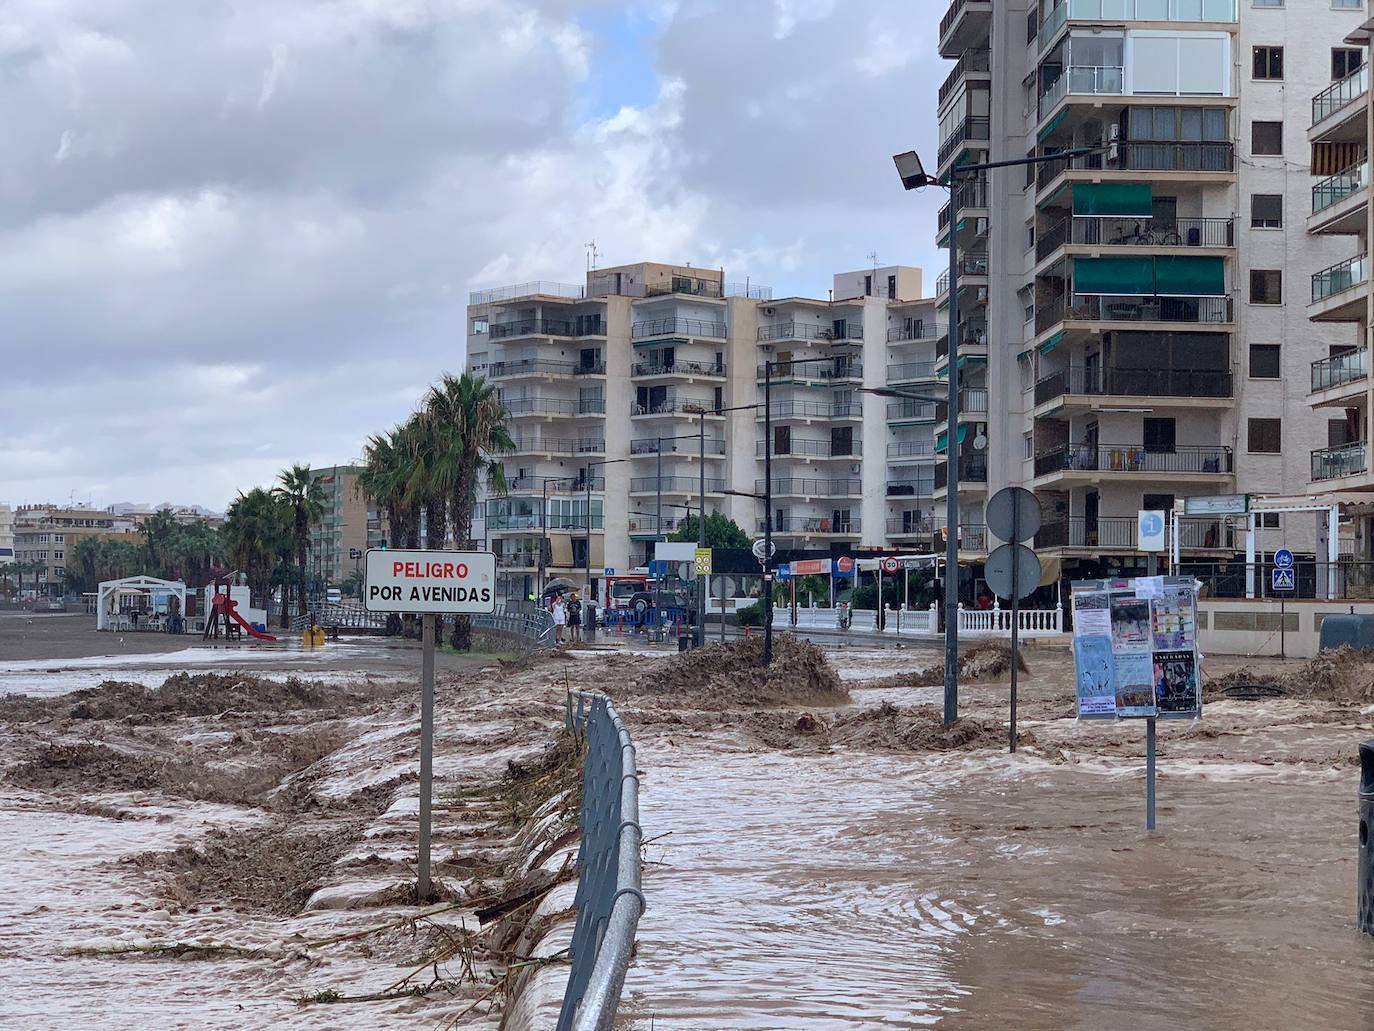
1251 627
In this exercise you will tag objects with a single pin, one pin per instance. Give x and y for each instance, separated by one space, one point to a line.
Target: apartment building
6 535
46 533
1137 314
1342 392
348 526
633 395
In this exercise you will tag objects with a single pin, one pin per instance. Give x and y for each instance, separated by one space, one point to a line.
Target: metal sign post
1284 583
429 583
1013 570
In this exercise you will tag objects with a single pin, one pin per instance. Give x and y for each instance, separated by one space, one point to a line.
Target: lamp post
587 556
544 529
914 177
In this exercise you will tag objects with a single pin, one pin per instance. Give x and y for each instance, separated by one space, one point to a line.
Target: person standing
560 619
575 617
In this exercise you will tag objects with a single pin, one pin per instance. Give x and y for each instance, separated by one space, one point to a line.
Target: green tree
158 531
721 532
352 586
301 490
385 479
257 536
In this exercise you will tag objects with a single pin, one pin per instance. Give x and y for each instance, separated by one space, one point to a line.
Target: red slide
230 608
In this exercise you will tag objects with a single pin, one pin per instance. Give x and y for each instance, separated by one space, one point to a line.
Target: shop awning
941 440
1113 199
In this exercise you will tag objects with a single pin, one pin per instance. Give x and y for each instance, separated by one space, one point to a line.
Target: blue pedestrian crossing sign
1283 559
1283 580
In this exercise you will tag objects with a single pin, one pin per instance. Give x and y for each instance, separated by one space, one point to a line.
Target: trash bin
589 621
1366 897
688 640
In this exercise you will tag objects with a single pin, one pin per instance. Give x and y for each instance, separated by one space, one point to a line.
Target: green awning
1050 344
1121 276
1113 199
942 439
1054 124
963 361
1189 276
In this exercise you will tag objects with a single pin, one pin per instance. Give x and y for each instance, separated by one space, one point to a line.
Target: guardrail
609 901
1340 369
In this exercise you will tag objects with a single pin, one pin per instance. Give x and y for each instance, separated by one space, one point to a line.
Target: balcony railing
535 288
972 536
1095 231
951 16
970 195
1134 10
1336 188
812 372
517 559
650 446
589 369
684 285
677 327
530 366
1214 383
1090 80
518 406
804 487
911 411
1142 156
678 368
1340 369
845 525
970 61
910 523
917 330
1105 308
807 331
815 410
910 371
674 485
911 449
1340 94
1134 458
919 487
973 468
1330 463
676 406
1340 277
1120 532
642 524
814 449
969 265
974 127
973 401
557 446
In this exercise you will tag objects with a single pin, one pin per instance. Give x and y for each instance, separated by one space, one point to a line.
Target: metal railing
1336 188
1109 308
972 401
609 901
1081 79
557 446
807 331
969 61
973 468
845 525
1328 463
1134 458
910 523
911 449
814 448
951 16
750 290
814 372
678 368
974 127
677 406
1340 94
921 487
911 411
650 446
908 372
1120 532
672 326
674 485
589 369
685 285
1340 277
517 560
971 195
917 330
1340 369
547 327
802 487
972 536
648 524
814 410
1213 383
1148 156
1095 231
530 366
534 288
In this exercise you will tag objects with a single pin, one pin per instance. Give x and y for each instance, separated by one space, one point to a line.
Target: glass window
1266 286
1265 436
1266 137
1264 361
1266 211
1267 62
1159 435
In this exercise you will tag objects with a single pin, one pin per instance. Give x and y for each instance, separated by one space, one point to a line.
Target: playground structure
141 603
223 616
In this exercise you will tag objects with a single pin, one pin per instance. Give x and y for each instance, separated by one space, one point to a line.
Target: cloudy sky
236 234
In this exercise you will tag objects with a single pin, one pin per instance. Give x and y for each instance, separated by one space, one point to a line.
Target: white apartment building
6 535
631 394
1138 315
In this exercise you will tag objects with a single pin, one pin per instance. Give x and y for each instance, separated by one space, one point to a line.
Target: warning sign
703 562
430 581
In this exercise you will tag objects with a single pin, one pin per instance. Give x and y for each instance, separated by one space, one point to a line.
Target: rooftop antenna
873 257
592 254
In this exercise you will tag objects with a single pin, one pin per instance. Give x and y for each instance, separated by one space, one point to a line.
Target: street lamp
914 177
587 556
544 529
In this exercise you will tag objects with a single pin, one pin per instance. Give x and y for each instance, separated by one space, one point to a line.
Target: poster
1135 683
1092 614
1095 668
1174 617
1131 630
1176 687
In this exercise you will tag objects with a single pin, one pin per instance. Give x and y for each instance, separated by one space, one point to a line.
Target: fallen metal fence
609 902
532 628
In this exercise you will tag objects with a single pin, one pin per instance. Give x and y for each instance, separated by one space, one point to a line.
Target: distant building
46 533
6 534
349 526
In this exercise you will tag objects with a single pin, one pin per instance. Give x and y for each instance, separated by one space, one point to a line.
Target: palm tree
301 490
384 479
257 530
469 423
426 489
158 531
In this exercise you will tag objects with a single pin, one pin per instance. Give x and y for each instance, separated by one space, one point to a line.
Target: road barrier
1366 887
609 902
993 622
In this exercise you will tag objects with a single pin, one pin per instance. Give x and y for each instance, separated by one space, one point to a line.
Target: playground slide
231 610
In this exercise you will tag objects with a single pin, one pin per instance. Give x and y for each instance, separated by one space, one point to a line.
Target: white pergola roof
110 589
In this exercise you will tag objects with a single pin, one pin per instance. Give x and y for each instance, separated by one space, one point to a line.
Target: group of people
567 615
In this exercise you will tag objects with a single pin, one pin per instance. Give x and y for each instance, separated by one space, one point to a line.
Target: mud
985 661
732 674
1341 675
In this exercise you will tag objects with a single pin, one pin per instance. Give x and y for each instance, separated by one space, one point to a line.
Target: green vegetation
721 532
169 550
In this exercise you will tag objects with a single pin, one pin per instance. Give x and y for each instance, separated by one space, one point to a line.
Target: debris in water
733 673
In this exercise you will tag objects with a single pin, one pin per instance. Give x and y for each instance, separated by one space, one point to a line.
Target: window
1265 436
1266 286
1030 235
1266 211
1157 502
479 325
1267 520
1178 123
868 286
1268 3
1345 61
1337 433
1266 138
1264 361
1033 24
1347 5
1159 436
1268 63
891 288
1029 440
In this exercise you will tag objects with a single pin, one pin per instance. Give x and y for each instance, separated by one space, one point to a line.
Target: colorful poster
1096 677
1174 617
1176 687
1092 614
1131 625
1135 684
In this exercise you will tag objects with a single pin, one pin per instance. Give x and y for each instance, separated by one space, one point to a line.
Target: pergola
111 592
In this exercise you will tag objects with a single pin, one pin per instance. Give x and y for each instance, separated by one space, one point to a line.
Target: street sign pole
426 752
1015 611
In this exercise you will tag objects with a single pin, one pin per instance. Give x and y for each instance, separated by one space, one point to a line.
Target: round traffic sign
1283 559
998 571
844 564
1013 514
760 552
891 565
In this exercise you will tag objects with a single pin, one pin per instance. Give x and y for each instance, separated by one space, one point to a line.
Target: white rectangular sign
430 581
1220 504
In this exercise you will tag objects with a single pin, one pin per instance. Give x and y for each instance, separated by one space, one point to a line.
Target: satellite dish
980 442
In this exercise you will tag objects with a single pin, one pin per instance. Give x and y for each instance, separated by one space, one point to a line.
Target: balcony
548 327
1097 231
850 450
535 288
1104 308
1338 293
687 285
677 367
1142 156
912 331
1080 381
1333 463
910 372
674 485
972 402
919 487
530 368
1119 532
790 410
910 449
675 327
536 445
970 196
1117 11
1335 99
518 560
970 265
911 411
642 525
1202 460
519 407
964 25
804 487
973 468
810 331
1340 370
815 373
1082 80
846 526
976 128
677 406
589 369
971 62
972 536
540 486
715 447
910 524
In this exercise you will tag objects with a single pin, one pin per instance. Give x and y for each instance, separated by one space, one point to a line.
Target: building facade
348 526
45 534
632 396
1141 304
6 535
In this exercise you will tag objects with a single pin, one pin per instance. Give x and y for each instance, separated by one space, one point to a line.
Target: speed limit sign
891 565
